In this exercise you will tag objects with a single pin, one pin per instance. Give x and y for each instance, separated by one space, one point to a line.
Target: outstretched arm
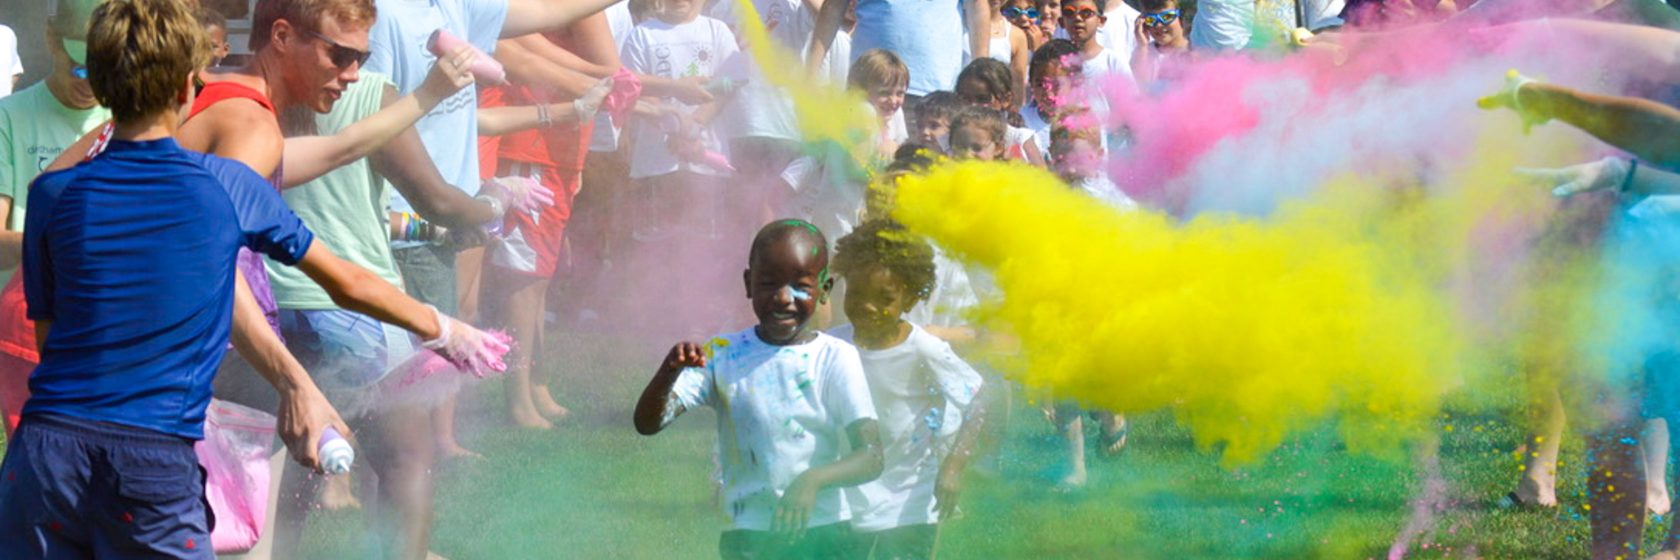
405 163
304 412
1642 127
1645 128
536 16
356 289
309 157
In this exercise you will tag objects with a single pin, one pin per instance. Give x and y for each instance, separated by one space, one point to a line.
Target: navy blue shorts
74 488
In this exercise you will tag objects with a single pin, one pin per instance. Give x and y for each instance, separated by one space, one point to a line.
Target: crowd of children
403 197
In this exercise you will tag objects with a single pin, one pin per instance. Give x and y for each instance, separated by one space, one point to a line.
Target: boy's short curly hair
938 105
887 244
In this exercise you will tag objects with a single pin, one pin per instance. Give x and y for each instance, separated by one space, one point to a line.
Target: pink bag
238 441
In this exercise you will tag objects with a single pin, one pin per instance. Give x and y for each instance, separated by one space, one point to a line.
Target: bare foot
528 418
1073 481
1656 500
1665 555
336 494
1537 493
452 450
434 556
544 402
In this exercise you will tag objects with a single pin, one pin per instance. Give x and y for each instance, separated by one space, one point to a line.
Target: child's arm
963 389
1143 57
862 465
656 409
1034 157
1020 54
1648 129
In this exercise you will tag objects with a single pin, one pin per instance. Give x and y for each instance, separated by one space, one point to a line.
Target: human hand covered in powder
472 350
1608 173
1508 98
519 193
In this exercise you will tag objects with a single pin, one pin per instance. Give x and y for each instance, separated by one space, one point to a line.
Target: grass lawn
595 489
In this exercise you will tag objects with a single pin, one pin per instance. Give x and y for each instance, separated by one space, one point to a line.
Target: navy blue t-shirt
131 257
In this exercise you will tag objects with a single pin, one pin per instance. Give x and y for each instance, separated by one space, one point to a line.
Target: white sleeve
633 54
955 379
10 49
693 388
485 19
846 389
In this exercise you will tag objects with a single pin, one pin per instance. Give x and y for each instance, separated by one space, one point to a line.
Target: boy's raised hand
684 355
793 511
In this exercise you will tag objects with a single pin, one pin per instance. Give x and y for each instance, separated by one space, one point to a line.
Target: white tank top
999 49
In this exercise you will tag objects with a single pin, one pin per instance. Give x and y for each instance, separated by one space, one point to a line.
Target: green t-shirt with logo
346 208
34 129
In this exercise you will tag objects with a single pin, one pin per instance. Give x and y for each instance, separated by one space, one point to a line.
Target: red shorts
531 242
17 352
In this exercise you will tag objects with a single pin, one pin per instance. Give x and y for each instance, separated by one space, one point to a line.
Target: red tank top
217 92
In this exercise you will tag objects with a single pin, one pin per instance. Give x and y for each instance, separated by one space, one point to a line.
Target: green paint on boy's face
804 224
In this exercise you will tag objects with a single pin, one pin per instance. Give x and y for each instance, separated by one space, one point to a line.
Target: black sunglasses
341 56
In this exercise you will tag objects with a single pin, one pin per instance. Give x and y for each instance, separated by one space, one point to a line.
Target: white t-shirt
1040 128
922 391
1100 188
1222 24
10 64
780 411
760 109
925 34
954 294
397 42
1017 139
1109 62
1324 13
1115 35
660 49
606 132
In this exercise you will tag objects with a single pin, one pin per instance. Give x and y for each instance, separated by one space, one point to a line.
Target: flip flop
1114 443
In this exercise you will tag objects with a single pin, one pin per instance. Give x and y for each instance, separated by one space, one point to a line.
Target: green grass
595 489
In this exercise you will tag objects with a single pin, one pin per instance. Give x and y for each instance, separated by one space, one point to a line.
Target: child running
925 394
787 396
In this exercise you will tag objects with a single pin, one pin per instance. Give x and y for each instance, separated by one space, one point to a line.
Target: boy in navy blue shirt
129 273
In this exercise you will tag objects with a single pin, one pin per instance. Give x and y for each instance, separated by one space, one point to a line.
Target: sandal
1114 443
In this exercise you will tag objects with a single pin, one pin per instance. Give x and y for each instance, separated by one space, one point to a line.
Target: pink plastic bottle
484 68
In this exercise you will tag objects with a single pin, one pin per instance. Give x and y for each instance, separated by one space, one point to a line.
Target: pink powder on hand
626 89
425 365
